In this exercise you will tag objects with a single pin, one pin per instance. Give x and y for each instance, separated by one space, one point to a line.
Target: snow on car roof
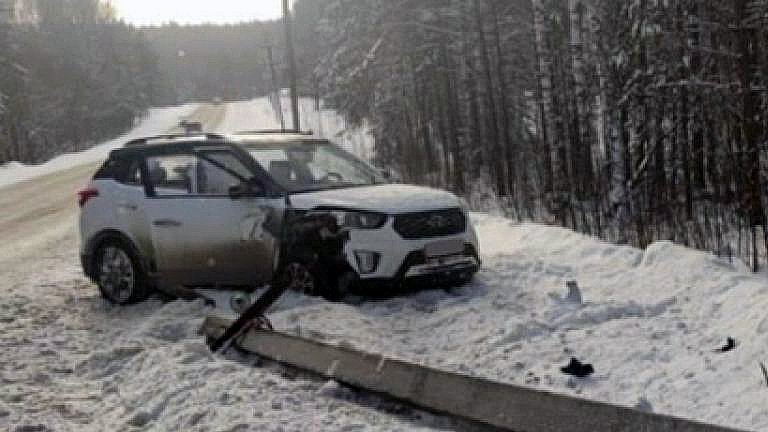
256 139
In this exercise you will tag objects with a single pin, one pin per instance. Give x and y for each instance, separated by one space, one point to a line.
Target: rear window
116 169
110 169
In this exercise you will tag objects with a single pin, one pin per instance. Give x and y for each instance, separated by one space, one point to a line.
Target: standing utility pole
7 11
291 64
276 88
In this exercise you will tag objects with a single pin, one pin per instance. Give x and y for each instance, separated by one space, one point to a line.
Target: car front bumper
414 276
406 263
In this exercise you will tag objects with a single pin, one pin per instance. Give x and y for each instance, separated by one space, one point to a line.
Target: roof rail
145 140
274 132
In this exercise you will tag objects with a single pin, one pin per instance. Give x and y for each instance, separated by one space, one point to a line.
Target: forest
236 62
70 74
630 120
633 120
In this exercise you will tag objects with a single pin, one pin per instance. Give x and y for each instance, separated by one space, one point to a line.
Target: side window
172 175
217 171
133 176
211 174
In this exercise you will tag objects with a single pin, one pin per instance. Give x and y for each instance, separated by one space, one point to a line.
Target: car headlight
360 219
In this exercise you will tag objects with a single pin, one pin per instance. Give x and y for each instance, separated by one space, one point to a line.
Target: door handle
128 206
166 223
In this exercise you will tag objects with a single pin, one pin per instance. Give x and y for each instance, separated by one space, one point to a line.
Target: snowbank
157 121
650 323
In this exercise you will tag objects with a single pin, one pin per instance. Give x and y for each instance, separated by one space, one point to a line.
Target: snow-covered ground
157 121
650 323
70 362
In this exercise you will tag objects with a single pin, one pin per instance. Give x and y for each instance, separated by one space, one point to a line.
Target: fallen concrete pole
496 404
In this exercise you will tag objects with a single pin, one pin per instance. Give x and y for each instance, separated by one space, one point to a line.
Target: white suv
250 209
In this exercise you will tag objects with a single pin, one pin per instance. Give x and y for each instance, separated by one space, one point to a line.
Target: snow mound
667 256
649 321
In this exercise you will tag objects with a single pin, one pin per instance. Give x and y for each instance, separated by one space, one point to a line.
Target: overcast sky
147 12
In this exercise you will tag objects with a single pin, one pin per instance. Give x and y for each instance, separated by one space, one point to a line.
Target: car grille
430 224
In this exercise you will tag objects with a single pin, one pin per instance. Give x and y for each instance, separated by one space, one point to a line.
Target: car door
201 235
130 207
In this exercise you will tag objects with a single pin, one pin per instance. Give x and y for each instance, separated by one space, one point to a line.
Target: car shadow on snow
421 298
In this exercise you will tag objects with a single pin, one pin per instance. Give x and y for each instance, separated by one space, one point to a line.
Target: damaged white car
250 209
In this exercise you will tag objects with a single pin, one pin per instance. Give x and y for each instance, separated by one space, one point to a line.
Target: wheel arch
111 235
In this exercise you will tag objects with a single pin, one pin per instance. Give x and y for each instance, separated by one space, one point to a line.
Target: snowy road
45 206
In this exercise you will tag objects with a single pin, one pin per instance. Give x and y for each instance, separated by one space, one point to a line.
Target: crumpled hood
388 198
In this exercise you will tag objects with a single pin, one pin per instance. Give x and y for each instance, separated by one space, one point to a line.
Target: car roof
171 138
275 138
171 143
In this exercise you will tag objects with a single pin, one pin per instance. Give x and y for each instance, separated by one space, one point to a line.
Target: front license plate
444 248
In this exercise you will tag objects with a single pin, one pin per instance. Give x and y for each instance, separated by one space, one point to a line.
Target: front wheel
314 281
299 278
119 277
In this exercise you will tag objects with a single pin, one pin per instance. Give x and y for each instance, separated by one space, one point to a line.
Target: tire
298 277
317 281
463 281
342 286
119 274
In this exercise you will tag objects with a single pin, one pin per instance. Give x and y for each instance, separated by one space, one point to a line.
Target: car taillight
86 194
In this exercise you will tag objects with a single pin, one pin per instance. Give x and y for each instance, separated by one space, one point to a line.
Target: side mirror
249 189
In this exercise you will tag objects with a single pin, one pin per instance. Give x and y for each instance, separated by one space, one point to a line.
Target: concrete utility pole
291 64
7 11
276 88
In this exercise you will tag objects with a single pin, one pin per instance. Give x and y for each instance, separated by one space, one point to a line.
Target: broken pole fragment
255 312
499 405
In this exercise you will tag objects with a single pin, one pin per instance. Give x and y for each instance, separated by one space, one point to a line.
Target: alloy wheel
116 274
300 279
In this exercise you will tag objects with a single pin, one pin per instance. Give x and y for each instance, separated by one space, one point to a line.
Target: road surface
46 207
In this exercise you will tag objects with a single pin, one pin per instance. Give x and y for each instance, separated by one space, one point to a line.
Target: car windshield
312 165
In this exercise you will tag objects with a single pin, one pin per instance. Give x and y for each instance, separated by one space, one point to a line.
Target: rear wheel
120 278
